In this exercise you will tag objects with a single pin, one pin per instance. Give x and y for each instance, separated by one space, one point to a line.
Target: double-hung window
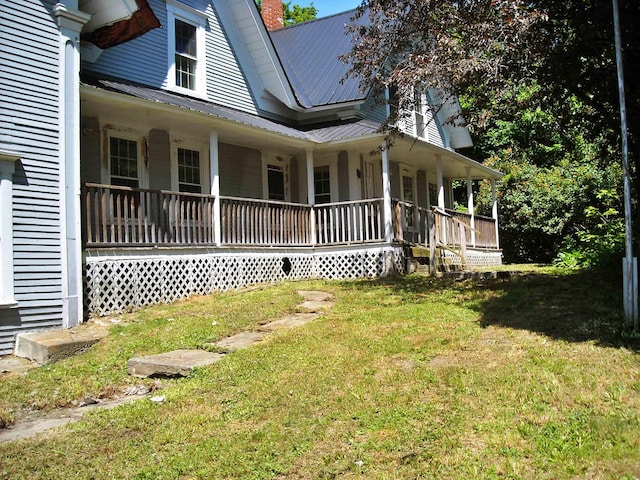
420 112
189 171
322 184
186 37
123 161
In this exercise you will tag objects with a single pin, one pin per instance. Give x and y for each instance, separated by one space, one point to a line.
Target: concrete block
54 345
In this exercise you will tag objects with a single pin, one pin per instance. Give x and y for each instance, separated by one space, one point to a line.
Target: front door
369 190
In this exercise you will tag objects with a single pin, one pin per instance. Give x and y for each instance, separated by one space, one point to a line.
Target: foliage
404 378
537 82
600 242
553 173
296 13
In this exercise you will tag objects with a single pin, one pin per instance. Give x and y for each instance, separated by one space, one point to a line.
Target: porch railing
485 229
349 222
118 216
246 221
124 216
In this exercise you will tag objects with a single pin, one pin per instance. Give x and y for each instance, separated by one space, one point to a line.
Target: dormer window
187 62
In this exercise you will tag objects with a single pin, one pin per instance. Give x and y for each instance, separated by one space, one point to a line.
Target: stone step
178 363
51 346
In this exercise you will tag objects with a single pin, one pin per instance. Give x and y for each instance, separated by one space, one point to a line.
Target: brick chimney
272 14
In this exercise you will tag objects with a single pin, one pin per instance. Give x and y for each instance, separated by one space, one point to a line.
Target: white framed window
322 184
186 49
275 177
189 167
124 162
275 182
420 112
125 165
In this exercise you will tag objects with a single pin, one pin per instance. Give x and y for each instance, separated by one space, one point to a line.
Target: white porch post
471 207
440 182
214 167
311 195
70 22
494 208
386 194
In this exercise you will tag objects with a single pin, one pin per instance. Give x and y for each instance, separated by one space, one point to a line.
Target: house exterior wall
145 59
29 126
240 171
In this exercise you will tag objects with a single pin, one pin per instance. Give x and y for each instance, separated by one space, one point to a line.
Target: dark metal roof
309 53
193 104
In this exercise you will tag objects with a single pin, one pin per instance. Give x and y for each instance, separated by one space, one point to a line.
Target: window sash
189 171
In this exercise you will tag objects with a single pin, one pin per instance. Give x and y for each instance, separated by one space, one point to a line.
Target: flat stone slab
240 340
293 320
178 363
54 345
14 365
315 300
315 295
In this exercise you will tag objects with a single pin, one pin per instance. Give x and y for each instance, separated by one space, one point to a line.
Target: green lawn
404 378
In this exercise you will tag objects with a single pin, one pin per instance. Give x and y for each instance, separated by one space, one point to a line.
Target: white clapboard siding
29 72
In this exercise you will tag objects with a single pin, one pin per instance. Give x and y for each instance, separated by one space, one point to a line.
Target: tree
538 87
298 14
295 14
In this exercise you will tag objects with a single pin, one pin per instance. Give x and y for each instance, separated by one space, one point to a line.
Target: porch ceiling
363 137
130 106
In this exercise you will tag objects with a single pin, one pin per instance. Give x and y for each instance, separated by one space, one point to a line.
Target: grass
404 378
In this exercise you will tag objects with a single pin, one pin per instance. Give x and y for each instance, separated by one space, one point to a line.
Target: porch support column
311 196
214 167
70 22
471 207
386 194
494 208
440 182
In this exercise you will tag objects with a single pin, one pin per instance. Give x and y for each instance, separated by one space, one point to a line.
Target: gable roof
309 54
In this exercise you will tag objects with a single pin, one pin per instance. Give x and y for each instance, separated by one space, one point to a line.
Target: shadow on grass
575 306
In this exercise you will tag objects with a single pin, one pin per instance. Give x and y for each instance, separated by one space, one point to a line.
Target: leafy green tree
296 13
538 84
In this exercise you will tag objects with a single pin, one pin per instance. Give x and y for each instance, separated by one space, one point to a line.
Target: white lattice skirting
115 284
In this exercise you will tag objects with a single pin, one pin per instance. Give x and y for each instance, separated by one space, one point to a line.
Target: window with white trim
124 162
322 184
187 59
189 171
275 182
420 111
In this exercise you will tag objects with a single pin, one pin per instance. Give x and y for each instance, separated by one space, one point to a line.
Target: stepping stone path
180 362
174 364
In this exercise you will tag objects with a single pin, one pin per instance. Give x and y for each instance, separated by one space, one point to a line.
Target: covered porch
180 196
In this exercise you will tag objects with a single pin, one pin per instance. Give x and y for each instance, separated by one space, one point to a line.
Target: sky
329 7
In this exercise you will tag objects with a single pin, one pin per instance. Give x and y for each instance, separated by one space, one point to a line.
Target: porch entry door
408 192
369 190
